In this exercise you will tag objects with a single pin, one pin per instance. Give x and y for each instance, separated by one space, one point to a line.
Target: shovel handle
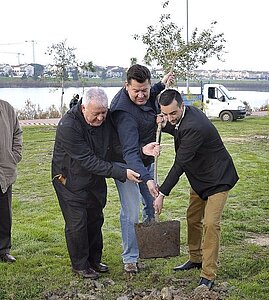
159 129
158 133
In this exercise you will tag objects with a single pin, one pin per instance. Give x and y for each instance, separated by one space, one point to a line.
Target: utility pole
18 55
33 45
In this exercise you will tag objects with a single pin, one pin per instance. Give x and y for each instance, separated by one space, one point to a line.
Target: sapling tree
63 58
168 49
88 67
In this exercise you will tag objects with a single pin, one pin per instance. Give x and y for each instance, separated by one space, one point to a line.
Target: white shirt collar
183 114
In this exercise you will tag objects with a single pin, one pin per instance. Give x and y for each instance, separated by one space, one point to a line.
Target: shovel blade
158 239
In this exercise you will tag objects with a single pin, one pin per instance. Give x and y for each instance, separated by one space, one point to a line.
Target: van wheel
226 116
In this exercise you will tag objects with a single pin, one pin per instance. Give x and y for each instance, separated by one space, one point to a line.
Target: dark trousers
83 227
5 220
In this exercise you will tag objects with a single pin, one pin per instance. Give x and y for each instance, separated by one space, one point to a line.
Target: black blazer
201 154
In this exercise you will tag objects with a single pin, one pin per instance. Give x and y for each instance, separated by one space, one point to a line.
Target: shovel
158 239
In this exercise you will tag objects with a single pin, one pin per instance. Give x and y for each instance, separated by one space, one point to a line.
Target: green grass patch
43 264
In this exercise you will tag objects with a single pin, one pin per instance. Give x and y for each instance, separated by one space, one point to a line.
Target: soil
175 289
259 239
96 291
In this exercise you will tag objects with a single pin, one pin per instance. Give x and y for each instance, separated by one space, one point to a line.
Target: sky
102 31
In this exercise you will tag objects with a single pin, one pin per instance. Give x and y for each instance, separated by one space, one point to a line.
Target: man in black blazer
202 156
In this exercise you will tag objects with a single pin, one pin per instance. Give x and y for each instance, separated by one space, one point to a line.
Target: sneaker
130 268
7 258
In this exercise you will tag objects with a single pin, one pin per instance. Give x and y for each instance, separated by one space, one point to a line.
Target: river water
45 97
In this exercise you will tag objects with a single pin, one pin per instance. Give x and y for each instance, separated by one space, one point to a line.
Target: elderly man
10 156
84 144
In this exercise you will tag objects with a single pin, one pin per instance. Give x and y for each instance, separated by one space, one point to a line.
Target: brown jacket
10 145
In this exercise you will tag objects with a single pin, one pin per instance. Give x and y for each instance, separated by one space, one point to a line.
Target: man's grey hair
97 95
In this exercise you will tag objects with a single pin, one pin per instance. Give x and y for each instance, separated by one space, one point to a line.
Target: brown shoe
130 268
88 273
7 258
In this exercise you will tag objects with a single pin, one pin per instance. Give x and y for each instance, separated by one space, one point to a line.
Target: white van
216 102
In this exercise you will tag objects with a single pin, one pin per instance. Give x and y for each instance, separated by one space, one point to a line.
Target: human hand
152 149
153 188
161 119
168 79
158 204
133 176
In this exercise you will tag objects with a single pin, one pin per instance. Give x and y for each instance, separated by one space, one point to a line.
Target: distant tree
75 74
28 112
88 67
65 108
103 74
40 114
38 70
63 58
166 46
24 76
53 112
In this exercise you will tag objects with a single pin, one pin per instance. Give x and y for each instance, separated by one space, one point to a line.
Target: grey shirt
10 145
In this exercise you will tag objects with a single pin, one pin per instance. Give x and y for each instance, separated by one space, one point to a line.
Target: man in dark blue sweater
134 110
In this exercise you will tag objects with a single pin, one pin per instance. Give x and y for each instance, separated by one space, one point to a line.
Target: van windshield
226 93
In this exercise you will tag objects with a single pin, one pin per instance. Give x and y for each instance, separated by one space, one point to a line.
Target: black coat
81 154
201 154
136 127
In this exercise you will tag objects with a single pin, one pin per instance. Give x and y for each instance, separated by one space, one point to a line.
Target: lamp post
33 45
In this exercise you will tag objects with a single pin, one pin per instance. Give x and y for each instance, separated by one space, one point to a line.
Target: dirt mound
97 291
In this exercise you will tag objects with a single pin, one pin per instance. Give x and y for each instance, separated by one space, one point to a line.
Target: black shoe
206 282
99 267
7 258
88 273
188 265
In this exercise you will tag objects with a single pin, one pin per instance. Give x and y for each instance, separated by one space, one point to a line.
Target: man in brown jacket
10 156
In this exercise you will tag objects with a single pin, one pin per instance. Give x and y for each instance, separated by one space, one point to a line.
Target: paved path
53 122
260 113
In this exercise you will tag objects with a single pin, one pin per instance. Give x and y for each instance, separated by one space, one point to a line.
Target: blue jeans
130 197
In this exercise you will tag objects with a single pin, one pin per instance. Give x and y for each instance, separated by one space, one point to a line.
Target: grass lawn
43 265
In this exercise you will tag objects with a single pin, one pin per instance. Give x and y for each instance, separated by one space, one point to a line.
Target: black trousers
83 226
5 220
